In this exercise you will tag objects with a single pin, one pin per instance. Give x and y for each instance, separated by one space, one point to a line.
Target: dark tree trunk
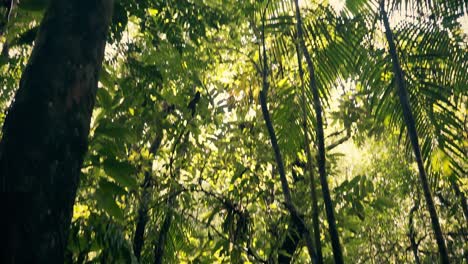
181 141
46 129
329 209
412 232
411 127
290 244
6 7
278 157
310 169
461 196
163 234
142 218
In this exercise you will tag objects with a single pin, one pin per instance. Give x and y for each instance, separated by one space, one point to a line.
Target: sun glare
464 23
338 5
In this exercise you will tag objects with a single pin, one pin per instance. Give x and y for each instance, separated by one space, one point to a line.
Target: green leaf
106 202
106 78
104 98
33 5
122 172
114 131
383 202
111 187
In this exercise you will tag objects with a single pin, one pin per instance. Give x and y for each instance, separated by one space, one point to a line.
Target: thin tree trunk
290 244
278 157
182 141
9 4
412 232
411 127
310 169
163 233
142 218
321 160
4 55
461 196
46 130
5 51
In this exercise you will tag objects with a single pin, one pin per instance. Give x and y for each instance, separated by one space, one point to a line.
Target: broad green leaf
122 172
107 202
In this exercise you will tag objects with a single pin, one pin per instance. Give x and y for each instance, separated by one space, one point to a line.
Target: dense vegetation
273 131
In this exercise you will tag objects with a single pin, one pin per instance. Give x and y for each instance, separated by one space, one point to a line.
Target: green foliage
210 166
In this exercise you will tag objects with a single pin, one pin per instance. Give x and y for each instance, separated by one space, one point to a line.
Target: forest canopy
256 131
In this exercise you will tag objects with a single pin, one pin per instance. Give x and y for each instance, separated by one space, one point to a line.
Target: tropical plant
213 121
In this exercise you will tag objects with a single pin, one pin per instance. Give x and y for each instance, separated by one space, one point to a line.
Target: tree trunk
160 246
411 127
46 129
461 196
278 157
142 218
182 141
310 169
412 232
290 243
329 209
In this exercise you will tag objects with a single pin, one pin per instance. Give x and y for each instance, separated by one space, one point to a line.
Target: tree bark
310 169
411 127
278 157
321 160
46 129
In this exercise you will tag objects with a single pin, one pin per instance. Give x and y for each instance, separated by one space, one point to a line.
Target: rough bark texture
46 129
329 209
411 127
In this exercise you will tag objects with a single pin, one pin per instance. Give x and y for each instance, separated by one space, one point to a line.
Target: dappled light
209 131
